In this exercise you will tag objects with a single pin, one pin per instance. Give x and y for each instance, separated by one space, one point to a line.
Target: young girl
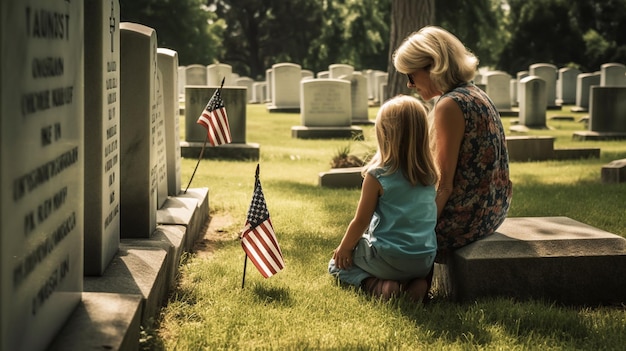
390 244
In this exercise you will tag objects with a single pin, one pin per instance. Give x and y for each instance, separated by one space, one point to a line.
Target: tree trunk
407 16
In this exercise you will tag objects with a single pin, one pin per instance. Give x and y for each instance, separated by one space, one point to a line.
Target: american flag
215 120
258 238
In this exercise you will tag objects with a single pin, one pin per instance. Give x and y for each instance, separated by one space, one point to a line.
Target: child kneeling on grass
390 245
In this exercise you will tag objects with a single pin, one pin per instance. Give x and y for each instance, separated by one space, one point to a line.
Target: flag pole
202 150
245 263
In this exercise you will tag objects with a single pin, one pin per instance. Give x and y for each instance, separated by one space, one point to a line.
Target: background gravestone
138 126
195 75
326 103
41 170
168 63
566 86
285 87
607 111
216 72
498 86
358 95
548 73
338 70
584 82
532 103
613 74
102 141
158 133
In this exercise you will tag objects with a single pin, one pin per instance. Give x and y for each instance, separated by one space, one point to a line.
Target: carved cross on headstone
112 25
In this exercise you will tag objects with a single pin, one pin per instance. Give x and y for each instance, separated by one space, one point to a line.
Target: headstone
159 138
258 92
326 103
268 82
548 73
513 91
520 75
307 73
358 97
532 102
584 82
218 71
168 63
102 140
138 130
323 74
380 78
607 110
613 74
182 81
195 75
326 110
285 87
246 82
41 169
337 70
566 86
497 88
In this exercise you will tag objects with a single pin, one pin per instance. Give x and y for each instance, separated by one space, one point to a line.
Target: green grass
301 308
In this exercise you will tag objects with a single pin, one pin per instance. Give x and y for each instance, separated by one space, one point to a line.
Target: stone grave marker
607 110
338 70
102 134
380 79
532 103
513 91
268 85
41 169
613 74
498 89
307 73
520 75
168 62
358 97
548 73
584 82
285 87
195 75
323 74
159 137
216 72
566 86
182 81
245 82
138 130
258 92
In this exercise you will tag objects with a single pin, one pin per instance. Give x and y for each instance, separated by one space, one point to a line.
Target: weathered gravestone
218 71
607 114
285 88
358 96
498 85
269 73
548 73
380 81
102 134
326 110
566 86
520 75
247 83
549 258
532 104
182 81
338 70
584 82
138 130
258 92
41 169
168 62
613 75
195 135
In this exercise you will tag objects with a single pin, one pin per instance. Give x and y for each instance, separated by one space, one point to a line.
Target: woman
474 189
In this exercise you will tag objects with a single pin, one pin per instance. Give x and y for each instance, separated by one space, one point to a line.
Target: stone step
550 258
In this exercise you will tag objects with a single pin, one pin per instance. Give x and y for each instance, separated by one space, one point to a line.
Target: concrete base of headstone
614 171
233 151
562 118
579 109
530 148
349 177
508 113
276 109
589 135
521 128
102 321
302 132
546 258
575 153
362 122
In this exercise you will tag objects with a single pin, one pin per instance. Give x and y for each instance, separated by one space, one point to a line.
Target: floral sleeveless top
482 190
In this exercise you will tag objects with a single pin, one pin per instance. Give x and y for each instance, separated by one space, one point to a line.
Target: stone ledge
349 132
349 177
550 258
614 171
232 151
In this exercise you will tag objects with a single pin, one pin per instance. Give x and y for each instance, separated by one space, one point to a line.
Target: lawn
301 308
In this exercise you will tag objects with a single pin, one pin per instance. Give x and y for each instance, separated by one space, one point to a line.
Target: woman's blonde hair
403 142
450 63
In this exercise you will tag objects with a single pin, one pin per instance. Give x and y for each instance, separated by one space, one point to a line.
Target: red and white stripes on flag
258 238
215 120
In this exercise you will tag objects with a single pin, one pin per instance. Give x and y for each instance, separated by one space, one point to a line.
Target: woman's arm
370 191
449 131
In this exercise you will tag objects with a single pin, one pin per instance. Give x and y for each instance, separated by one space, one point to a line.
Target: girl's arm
449 131
370 191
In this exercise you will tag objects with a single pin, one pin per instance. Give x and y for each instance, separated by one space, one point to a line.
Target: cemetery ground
301 308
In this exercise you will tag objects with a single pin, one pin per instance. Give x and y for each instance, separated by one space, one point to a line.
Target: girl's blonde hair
403 142
449 61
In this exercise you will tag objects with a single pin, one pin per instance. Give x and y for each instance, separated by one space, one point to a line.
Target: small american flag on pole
215 120
258 238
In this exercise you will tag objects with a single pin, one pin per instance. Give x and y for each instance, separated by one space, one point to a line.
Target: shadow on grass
272 295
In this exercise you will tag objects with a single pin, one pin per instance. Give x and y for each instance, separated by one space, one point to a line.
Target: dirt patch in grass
221 227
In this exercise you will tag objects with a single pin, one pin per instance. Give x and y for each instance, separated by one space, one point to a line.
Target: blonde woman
474 190
389 246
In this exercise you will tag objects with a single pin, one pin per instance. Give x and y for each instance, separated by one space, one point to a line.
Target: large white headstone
607 109
218 71
566 86
41 169
102 134
286 86
532 102
613 74
326 103
547 72
195 75
358 96
168 65
338 70
138 130
584 82
498 85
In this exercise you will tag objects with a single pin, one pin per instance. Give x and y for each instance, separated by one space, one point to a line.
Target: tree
186 26
407 16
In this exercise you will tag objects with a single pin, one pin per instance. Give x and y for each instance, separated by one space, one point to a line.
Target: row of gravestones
90 153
